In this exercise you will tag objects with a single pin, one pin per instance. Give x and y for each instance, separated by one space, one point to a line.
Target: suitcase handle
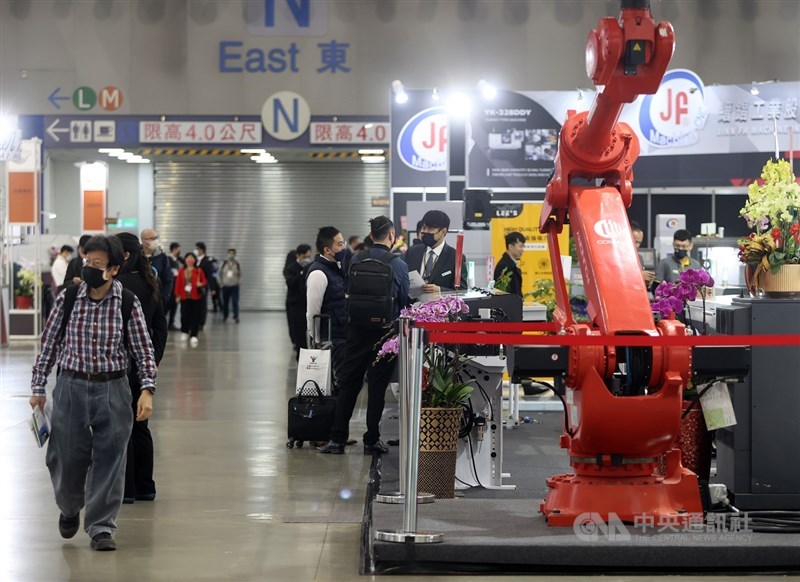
320 317
306 383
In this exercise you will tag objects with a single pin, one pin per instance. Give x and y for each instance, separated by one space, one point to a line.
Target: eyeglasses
96 265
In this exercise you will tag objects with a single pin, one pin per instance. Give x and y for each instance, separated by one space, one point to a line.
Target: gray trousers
90 427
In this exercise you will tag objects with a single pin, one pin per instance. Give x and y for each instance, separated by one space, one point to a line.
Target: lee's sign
208 132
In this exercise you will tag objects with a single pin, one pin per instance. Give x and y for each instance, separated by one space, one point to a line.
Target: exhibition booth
671 448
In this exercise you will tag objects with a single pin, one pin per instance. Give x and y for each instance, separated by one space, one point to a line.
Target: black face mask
428 239
680 253
93 277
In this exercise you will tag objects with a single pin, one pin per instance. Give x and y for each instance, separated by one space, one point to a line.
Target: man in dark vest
325 291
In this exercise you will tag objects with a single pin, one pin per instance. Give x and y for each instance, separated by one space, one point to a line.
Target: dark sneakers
103 542
69 526
378 448
331 448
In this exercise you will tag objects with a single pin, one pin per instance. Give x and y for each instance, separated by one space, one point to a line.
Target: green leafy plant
444 388
504 281
544 293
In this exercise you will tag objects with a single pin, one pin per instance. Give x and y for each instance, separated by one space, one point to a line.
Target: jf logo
422 143
673 116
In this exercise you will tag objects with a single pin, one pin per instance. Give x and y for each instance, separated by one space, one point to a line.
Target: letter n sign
287 17
286 115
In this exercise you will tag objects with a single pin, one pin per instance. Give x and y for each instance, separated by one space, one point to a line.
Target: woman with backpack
137 276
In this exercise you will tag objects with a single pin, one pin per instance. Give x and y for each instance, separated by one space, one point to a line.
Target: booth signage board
689 134
419 142
22 194
535 262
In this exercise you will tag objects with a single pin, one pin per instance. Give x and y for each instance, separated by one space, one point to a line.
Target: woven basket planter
783 284
438 440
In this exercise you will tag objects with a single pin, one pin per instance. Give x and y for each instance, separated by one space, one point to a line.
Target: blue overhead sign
128 131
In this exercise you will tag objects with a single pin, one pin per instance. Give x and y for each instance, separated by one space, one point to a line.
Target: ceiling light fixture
253 151
371 152
487 89
373 159
400 95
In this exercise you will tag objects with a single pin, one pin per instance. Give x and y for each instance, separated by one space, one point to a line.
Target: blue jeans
87 450
230 294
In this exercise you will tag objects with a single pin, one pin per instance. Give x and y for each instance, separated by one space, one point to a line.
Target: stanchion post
404 336
409 532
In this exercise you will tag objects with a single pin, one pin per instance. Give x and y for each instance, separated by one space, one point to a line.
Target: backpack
370 292
71 294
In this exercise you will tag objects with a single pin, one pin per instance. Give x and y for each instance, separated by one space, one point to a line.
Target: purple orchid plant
437 311
673 297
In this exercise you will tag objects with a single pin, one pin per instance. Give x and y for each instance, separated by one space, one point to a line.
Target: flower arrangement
672 297
773 210
26 282
442 387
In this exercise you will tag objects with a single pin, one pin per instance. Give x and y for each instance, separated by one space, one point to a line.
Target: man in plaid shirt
92 414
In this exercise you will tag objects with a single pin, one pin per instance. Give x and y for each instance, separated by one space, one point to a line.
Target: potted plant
23 293
444 394
544 293
772 252
694 440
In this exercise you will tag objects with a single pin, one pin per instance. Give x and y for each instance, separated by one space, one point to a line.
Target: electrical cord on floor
766 521
567 429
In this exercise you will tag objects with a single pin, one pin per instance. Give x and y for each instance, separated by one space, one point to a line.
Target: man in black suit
507 274
207 266
434 259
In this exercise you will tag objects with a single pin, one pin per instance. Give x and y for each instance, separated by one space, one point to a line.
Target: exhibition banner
689 133
22 196
419 142
535 263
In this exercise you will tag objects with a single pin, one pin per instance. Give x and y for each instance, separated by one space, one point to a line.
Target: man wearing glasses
91 332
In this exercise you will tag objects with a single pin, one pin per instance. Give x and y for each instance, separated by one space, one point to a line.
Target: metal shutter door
264 211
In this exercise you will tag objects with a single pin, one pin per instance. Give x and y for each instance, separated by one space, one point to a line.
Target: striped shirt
94 342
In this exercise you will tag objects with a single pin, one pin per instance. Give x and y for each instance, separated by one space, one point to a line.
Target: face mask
231 257
339 257
680 253
197 252
428 239
93 277
306 261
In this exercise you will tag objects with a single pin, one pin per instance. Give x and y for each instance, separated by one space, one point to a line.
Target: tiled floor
233 503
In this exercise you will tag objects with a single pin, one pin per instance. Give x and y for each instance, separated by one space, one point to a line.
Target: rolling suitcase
311 415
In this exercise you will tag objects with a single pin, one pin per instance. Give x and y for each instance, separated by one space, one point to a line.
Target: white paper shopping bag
314 365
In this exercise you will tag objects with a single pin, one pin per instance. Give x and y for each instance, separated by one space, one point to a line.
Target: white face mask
197 252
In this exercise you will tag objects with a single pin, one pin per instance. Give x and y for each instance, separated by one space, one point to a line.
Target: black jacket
507 264
334 303
444 271
74 269
208 270
295 276
163 266
153 311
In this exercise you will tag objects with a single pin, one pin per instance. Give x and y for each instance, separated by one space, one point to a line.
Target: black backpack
370 292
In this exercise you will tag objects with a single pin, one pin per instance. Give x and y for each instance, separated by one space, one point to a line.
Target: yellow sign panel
637 47
535 263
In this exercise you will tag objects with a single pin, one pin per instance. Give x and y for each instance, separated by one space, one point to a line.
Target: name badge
188 288
447 273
